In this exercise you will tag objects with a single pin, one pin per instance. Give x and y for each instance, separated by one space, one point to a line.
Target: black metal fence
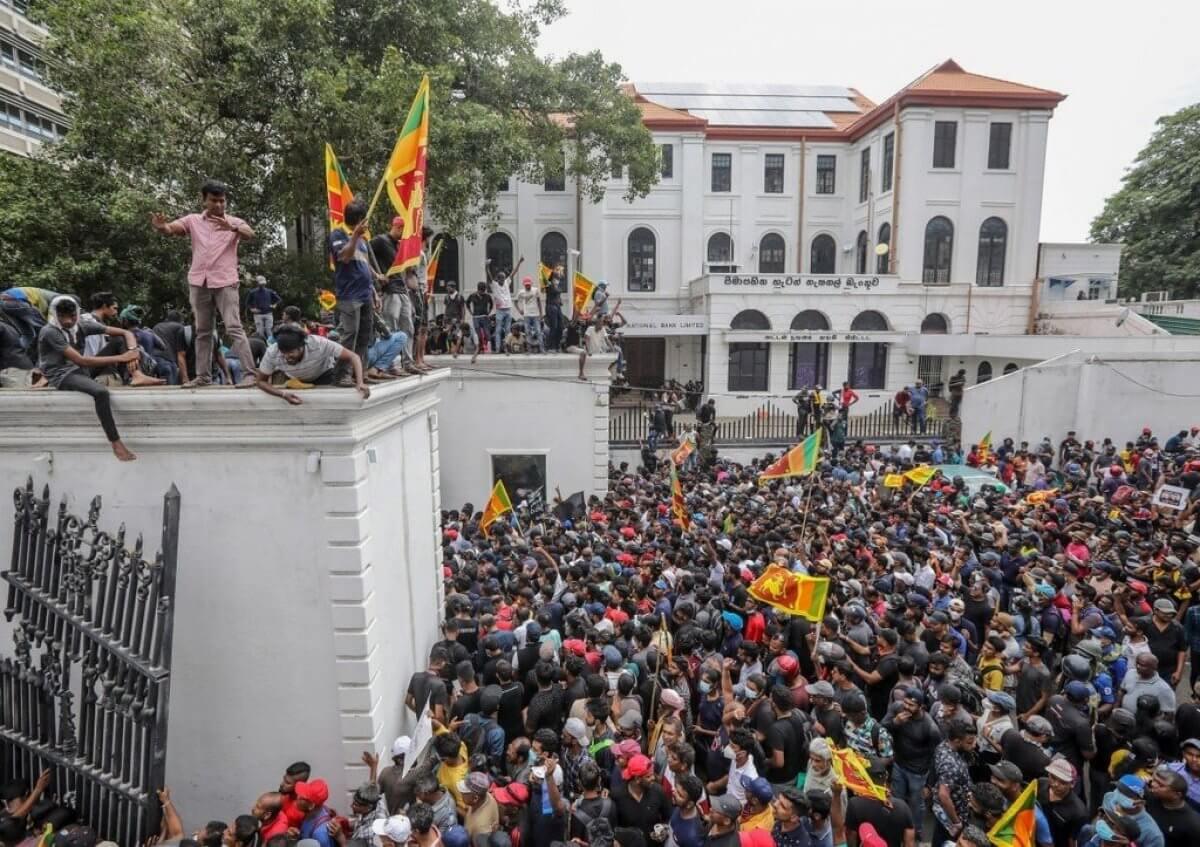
86 694
770 425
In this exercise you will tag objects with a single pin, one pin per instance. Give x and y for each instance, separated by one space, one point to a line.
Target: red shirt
756 628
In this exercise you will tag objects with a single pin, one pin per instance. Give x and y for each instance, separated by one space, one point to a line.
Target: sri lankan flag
581 292
405 179
920 475
678 506
793 593
544 274
337 192
432 268
680 454
1017 825
985 446
497 505
852 771
799 461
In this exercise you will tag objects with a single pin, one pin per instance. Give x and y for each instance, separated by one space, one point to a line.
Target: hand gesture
294 399
370 758
42 781
159 221
164 796
222 223
364 391
359 230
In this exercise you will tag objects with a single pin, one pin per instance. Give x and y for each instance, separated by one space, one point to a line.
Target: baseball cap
1165 606
628 748
727 805
1117 803
1039 726
758 787
1191 742
1077 691
402 746
513 794
314 791
397 828
1132 785
1061 769
576 728
639 765
1006 771
820 688
456 836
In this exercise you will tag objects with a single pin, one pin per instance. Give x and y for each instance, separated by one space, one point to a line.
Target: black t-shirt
879 693
466 704
458 653
729 839
1164 644
654 808
786 734
12 354
1032 682
545 711
512 702
384 250
1031 759
1179 826
891 824
480 303
978 612
1065 817
1187 719
1072 729
258 348
173 336
425 686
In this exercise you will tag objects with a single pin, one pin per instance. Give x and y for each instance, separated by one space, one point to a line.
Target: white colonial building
800 233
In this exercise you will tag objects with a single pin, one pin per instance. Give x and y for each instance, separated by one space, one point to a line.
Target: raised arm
162 225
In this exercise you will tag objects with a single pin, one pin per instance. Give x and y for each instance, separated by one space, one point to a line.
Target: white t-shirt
595 340
320 355
501 295
734 786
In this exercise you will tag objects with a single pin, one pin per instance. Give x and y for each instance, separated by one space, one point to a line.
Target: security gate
85 692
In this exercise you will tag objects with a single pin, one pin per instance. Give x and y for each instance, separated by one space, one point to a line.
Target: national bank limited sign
801 284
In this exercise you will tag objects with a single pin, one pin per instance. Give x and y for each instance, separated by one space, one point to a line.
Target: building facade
798 234
30 111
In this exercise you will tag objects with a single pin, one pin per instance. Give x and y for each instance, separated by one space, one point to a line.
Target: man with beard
914 738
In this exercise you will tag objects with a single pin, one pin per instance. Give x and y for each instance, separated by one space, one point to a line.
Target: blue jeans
384 351
919 418
908 786
503 325
480 323
533 333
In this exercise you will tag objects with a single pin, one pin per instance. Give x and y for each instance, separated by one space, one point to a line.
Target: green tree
1156 212
162 95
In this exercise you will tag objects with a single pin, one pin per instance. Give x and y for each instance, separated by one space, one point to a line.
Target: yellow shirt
449 776
992 673
763 820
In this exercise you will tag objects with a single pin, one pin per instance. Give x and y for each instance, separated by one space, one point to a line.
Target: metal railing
770 425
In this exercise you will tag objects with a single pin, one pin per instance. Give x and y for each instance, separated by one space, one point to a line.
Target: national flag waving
800 460
793 593
985 446
678 506
893 480
920 475
1017 826
581 292
1041 496
405 180
680 454
497 505
337 192
431 269
852 771
544 274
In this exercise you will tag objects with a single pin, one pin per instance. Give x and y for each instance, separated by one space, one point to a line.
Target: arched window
1011 367
939 245
861 247
720 253
499 250
993 241
749 361
771 254
554 253
809 320
885 237
808 361
983 373
750 319
935 324
447 263
823 258
642 263
869 321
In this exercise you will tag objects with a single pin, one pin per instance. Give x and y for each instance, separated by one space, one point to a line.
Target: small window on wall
773 173
524 476
771 252
556 174
885 237
642 257
999 146
886 166
1011 367
666 160
983 373
945 135
826 174
861 248
823 255
720 254
722 172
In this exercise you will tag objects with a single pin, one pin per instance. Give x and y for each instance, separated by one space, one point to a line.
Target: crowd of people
606 677
375 327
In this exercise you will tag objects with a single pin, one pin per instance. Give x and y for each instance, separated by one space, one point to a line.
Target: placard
1171 497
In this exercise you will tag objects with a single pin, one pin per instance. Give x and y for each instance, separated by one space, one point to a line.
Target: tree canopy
162 95
1156 212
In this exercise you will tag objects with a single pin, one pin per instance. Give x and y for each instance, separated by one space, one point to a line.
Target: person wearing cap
311 796
1026 747
819 774
394 831
368 805
391 778
1164 636
640 801
1142 679
997 719
261 301
574 753
1189 769
1060 802
723 822
1069 715
483 812
1167 805
757 812
914 738
827 717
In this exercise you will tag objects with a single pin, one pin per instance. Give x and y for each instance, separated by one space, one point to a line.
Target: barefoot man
213 276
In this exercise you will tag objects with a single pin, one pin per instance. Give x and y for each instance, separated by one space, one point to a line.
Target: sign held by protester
1171 497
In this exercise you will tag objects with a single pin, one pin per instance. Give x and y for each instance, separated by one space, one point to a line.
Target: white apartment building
801 235
30 111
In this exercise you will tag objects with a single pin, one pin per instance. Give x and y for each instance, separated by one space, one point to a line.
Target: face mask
705 687
727 752
750 694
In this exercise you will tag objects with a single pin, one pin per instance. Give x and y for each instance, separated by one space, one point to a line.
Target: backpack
1122 494
607 810
474 734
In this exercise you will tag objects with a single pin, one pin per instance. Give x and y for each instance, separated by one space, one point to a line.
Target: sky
1121 65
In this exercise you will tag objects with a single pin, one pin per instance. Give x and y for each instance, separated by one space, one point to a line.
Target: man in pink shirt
213 277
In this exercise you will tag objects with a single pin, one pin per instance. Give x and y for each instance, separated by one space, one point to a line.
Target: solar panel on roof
749 117
743 89
753 101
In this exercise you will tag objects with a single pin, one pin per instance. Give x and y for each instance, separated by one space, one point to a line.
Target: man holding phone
213 277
